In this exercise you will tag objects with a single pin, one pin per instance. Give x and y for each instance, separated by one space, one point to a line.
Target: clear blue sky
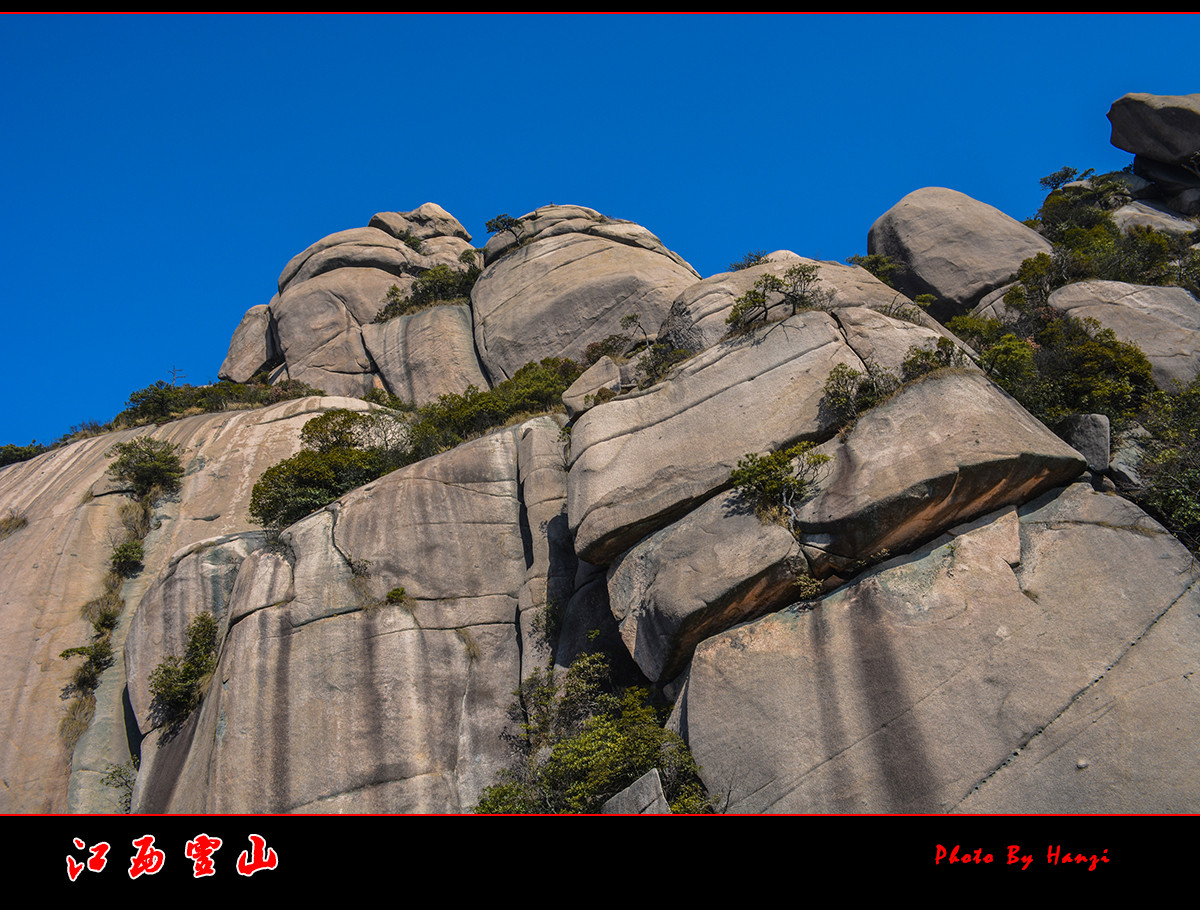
159 171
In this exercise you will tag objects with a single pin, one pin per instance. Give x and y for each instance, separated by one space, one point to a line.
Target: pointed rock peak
423 222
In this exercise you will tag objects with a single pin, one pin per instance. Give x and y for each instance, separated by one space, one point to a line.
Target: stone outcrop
55 564
942 450
1163 132
697 317
331 292
952 246
571 279
642 460
424 355
1163 321
944 681
1162 127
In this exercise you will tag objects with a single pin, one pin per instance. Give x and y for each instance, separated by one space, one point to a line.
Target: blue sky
159 171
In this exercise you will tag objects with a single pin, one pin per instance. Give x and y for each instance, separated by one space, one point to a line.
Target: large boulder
571 279
952 246
958 678
252 347
1163 321
1165 128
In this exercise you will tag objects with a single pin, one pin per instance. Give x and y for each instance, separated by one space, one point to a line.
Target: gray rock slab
1152 215
643 797
945 449
908 689
424 222
1163 321
252 346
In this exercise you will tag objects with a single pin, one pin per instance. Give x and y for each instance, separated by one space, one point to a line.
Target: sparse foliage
177 684
796 290
504 222
580 740
753 258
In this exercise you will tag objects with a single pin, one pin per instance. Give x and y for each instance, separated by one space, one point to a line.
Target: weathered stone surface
197 579
55 564
945 449
334 700
426 354
424 222
358 243
550 563
252 347
697 317
715 567
1151 215
1088 434
906 690
319 328
568 284
641 461
643 797
1163 127
953 247
1163 322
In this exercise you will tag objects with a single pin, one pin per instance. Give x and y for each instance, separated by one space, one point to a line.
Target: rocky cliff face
987 627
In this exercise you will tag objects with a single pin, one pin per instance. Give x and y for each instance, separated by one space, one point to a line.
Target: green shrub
882 267
308 481
581 741
148 464
11 454
98 657
504 222
753 258
177 684
122 778
850 392
920 361
1171 469
127 558
776 482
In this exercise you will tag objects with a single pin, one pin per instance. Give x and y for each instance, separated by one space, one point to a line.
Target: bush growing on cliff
797 290
777 481
582 740
177 684
345 449
147 464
